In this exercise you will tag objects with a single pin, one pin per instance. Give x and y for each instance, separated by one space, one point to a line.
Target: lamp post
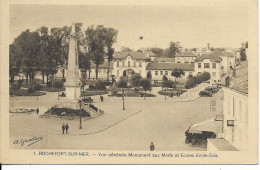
165 93
80 114
123 97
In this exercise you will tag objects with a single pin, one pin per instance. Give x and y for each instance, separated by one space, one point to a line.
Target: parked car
212 89
87 100
205 93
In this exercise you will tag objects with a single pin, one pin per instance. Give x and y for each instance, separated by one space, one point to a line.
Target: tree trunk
108 68
12 79
47 75
26 76
63 73
96 72
52 80
43 77
89 74
144 94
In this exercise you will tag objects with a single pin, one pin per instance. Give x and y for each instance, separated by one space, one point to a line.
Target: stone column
72 83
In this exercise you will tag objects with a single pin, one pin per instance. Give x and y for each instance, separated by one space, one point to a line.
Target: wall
184 59
160 76
235 108
211 70
137 69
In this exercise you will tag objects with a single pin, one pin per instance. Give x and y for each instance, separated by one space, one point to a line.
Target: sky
193 26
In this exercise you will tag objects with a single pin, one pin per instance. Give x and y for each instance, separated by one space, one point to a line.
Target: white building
209 62
185 57
235 111
158 70
216 63
124 63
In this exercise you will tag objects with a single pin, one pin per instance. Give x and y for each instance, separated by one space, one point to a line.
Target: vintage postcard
129 82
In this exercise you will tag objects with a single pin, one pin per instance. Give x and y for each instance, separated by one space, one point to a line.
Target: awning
209 125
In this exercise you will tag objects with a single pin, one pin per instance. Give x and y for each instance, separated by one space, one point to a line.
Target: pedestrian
63 128
37 111
67 128
102 98
152 146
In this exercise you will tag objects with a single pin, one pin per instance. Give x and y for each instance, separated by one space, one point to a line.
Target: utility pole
80 114
123 97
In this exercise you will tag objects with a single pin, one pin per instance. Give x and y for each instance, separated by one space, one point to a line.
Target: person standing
67 128
37 111
102 98
63 128
152 146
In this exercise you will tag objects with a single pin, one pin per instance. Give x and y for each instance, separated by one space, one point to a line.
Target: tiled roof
165 60
213 56
135 55
170 66
151 54
102 66
240 81
186 54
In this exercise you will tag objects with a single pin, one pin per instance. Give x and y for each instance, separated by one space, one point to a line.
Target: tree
28 47
157 51
243 48
95 39
146 84
111 37
205 76
164 78
177 73
149 75
125 49
122 83
14 62
135 79
174 48
44 37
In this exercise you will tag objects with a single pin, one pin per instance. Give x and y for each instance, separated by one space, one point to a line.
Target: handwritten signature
27 142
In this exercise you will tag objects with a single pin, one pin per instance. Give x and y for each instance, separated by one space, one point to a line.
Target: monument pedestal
73 93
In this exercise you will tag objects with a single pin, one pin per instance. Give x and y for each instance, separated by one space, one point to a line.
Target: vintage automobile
200 132
87 100
205 93
212 89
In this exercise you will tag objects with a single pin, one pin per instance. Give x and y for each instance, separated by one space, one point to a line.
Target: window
123 63
214 74
186 62
128 63
117 63
161 73
104 71
140 64
190 73
134 64
213 65
99 70
166 73
156 73
206 65
178 62
199 65
199 73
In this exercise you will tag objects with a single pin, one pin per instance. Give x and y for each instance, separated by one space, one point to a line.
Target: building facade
209 62
235 113
185 57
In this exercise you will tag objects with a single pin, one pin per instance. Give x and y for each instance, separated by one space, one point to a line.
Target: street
154 119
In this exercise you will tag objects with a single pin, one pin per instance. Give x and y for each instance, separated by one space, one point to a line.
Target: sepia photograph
136 78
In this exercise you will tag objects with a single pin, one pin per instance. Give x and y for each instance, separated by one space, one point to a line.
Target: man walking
63 128
152 146
37 111
67 128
